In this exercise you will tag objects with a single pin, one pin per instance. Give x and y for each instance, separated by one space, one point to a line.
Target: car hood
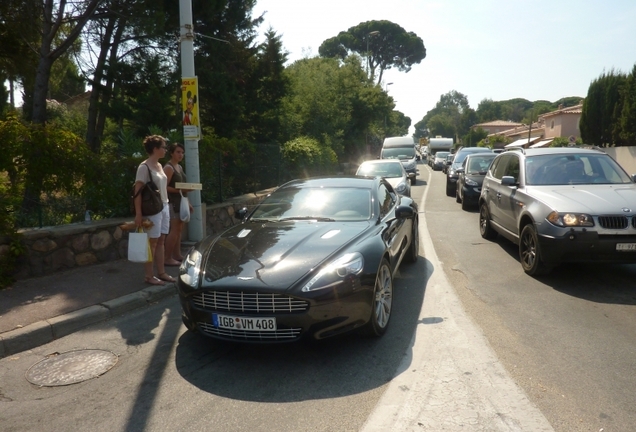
274 255
395 181
593 199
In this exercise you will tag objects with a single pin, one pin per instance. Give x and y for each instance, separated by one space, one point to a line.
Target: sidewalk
36 311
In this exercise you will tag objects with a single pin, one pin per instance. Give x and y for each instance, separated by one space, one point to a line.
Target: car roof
381 161
338 181
475 150
557 150
482 154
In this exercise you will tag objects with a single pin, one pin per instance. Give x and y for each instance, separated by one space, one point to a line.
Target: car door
492 186
393 232
507 196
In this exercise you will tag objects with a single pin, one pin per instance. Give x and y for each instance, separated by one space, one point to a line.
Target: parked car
470 178
392 170
560 205
439 160
314 259
448 162
460 155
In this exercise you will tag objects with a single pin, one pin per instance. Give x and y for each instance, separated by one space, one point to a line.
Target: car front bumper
585 246
470 194
325 315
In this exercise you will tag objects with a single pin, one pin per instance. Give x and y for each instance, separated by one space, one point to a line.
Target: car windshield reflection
321 204
573 169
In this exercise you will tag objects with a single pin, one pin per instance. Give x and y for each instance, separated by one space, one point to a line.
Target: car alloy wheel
382 301
485 229
530 253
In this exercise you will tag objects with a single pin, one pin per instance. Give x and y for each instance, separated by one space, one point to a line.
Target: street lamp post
373 33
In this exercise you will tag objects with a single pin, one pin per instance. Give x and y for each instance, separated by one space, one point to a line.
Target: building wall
565 125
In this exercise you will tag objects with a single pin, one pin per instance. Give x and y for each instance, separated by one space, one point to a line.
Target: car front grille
613 222
249 302
251 335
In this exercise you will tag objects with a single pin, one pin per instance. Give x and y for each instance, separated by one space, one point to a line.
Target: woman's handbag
139 247
184 210
151 202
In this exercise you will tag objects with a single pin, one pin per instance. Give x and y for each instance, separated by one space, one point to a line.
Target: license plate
244 323
626 246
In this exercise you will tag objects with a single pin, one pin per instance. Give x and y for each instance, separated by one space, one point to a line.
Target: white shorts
161 222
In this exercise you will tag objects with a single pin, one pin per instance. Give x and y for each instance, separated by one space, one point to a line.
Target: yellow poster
190 107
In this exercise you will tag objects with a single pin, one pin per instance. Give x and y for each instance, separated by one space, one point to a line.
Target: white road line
451 379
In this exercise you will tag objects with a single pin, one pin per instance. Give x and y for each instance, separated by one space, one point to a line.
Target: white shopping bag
184 211
139 247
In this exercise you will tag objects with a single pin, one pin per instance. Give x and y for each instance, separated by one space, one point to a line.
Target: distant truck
402 148
438 144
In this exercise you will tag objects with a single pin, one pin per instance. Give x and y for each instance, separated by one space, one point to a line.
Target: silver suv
560 205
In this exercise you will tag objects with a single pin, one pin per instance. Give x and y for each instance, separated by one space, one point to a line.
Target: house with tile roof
496 126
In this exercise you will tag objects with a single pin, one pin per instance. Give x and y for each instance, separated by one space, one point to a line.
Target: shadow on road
332 368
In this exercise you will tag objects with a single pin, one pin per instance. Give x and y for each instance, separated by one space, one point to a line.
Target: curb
43 332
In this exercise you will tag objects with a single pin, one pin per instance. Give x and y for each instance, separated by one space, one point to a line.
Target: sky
485 49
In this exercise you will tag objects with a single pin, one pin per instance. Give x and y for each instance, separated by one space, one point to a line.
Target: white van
402 148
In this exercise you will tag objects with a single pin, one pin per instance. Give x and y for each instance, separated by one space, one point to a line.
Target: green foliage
627 120
600 117
475 137
390 47
306 157
564 142
495 141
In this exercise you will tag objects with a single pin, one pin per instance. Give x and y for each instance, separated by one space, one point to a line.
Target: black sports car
315 259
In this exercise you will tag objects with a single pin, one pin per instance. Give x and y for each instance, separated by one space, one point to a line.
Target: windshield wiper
317 218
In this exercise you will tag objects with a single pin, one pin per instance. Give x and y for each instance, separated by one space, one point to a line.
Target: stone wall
53 249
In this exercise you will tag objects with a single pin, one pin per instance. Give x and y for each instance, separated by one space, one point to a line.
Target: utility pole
195 226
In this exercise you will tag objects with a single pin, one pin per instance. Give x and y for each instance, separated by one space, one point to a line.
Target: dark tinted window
512 168
386 198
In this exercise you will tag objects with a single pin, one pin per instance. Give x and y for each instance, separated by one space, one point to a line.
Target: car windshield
566 169
441 155
398 153
387 170
460 156
328 204
478 164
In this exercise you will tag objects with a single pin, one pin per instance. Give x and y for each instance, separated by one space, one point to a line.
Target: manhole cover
71 367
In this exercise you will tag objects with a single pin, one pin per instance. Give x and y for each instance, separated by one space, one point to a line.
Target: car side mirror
240 214
404 212
508 181
634 178
459 170
418 157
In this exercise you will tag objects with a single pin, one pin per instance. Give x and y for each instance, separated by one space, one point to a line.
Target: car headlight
190 268
348 264
570 219
401 187
470 182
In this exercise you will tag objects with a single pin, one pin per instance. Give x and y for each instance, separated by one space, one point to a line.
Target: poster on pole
190 108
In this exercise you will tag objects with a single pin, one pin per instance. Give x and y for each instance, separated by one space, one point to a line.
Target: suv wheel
530 253
485 229
457 197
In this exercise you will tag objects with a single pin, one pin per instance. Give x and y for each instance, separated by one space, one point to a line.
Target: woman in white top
156 147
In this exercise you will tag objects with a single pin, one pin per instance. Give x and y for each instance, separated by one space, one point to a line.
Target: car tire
449 189
413 181
485 228
414 248
382 301
457 197
530 252
465 205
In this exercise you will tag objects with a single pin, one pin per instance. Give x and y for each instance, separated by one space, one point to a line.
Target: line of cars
558 205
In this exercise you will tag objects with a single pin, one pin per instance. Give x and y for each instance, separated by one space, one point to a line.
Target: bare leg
159 261
173 242
148 267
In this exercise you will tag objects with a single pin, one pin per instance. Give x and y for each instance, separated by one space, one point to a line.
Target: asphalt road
568 339
433 370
